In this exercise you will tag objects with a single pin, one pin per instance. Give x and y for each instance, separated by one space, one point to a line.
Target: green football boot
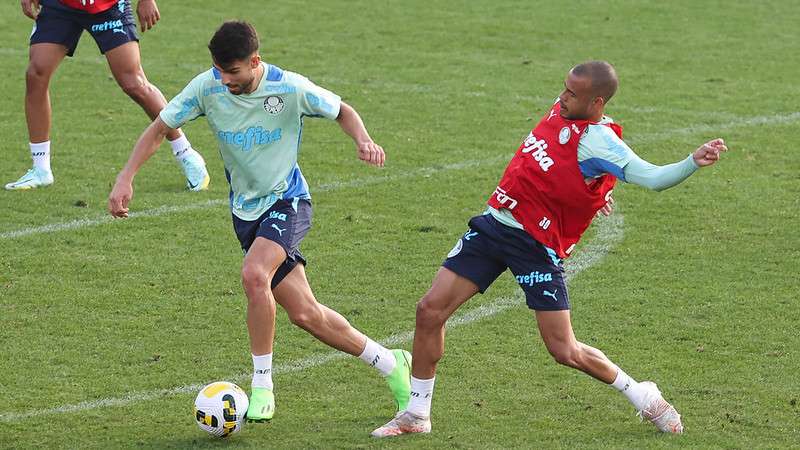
400 379
262 405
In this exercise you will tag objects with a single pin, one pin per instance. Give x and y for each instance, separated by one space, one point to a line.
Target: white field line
776 119
424 171
609 233
85 223
166 210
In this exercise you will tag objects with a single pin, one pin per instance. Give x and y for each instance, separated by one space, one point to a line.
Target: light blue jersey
258 133
601 151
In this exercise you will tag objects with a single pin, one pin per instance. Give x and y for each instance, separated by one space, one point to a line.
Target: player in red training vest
59 25
558 180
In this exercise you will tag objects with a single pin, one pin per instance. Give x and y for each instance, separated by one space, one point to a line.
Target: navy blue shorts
58 24
489 248
286 223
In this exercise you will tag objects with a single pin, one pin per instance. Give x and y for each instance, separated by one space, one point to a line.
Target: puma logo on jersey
538 150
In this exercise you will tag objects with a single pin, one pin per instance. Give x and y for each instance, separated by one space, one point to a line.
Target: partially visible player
559 179
256 112
59 25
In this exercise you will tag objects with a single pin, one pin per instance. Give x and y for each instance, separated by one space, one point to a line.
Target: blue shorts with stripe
489 248
59 24
286 223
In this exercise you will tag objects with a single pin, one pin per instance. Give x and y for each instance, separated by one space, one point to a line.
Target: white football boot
659 411
194 168
32 179
404 422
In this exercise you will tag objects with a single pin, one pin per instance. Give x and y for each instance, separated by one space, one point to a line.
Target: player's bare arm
351 123
148 14
30 8
147 144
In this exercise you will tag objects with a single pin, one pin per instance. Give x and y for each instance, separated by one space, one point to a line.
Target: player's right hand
30 8
371 153
119 198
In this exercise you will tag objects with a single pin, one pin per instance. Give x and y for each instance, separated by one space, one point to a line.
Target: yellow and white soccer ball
220 408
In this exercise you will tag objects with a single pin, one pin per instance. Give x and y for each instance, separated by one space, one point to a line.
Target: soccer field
109 328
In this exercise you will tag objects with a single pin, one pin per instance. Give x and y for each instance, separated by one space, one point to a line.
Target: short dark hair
602 75
234 41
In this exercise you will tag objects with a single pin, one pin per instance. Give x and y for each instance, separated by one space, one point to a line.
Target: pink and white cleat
658 411
403 423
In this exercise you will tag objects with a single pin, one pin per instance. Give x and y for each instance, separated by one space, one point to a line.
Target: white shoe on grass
33 178
658 411
403 423
194 168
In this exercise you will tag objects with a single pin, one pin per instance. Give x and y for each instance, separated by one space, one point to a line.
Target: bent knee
253 277
37 74
428 313
135 87
307 319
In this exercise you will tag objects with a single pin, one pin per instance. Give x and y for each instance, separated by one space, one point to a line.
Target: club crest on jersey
564 135
273 105
538 150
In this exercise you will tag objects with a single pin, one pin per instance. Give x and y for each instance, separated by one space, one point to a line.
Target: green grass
701 295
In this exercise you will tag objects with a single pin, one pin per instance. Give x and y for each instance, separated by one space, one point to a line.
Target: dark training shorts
59 24
286 223
489 248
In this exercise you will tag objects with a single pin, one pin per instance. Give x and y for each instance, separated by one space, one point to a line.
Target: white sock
419 403
378 357
262 371
630 388
180 146
41 155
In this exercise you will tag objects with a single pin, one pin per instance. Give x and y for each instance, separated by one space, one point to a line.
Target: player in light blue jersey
256 112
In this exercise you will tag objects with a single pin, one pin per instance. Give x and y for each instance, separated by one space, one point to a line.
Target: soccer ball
220 408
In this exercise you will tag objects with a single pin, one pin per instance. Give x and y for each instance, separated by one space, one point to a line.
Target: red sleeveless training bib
544 189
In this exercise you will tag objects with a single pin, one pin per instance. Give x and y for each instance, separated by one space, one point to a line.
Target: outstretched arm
351 123
147 144
658 178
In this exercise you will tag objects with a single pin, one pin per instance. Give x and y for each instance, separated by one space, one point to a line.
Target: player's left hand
147 10
708 153
608 208
371 153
